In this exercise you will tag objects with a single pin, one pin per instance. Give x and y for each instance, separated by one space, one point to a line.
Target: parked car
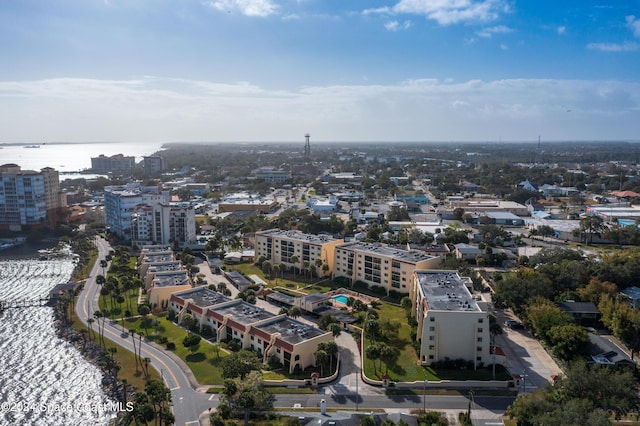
513 324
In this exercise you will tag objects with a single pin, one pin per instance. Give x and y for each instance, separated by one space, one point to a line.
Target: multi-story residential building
379 265
154 165
450 323
280 246
158 267
293 342
120 203
164 283
163 224
118 164
28 198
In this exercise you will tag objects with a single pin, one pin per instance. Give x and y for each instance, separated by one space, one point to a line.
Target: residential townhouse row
293 342
167 282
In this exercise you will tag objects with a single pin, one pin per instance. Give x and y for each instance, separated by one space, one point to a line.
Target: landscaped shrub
171 346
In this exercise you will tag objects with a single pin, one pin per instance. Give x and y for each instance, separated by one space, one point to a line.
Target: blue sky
342 70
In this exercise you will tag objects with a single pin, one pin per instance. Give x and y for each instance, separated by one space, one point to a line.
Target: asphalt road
189 400
493 404
187 403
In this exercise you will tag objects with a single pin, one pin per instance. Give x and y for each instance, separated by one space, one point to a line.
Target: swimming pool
340 299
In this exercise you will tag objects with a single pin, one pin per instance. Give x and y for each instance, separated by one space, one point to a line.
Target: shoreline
90 351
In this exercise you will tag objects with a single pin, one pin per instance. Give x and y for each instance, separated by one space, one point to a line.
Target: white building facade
120 203
450 323
163 224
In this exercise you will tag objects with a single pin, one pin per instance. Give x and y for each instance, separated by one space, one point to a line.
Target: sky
341 70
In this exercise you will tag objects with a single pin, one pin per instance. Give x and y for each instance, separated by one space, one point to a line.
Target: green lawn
203 361
406 368
123 357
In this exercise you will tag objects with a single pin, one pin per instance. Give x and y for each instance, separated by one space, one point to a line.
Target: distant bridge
24 303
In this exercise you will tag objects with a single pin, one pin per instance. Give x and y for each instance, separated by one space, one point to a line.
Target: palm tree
325 269
373 353
294 260
331 348
295 312
90 322
276 270
305 267
321 359
335 329
98 315
387 355
135 352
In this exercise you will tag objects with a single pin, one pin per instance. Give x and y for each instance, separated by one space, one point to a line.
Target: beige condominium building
379 265
164 283
280 246
450 323
293 342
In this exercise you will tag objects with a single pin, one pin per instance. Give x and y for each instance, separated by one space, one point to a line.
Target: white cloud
561 30
447 12
246 7
634 25
161 110
397 26
503 46
489 32
614 47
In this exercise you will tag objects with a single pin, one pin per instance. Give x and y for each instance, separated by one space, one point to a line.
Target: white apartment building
163 224
280 246
450 323
379 265
120 203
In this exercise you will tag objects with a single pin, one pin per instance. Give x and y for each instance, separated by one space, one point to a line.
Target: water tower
307 145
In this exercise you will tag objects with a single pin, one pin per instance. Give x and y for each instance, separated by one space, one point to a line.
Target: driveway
525 355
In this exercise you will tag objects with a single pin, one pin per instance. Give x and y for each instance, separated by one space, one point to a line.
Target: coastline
111 386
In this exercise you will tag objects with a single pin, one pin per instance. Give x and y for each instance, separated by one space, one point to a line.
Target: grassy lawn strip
405 369
203 361
123 357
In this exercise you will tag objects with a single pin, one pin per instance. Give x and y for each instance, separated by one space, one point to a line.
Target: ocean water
70 157
43 380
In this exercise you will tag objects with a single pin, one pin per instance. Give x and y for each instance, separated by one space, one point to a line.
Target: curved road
189 400
187 403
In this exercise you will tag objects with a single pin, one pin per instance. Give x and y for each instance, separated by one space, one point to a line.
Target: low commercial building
271 174
633 295
238 280
450 323
464 251
378 265
243 201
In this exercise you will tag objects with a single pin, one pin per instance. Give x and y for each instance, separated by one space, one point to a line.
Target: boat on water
32 146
